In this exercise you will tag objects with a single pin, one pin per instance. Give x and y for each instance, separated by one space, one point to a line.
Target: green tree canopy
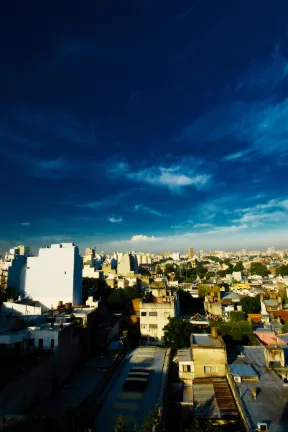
235 332
177 333
251 305
237 316
214 258
143 271
239 267
259 269
282 270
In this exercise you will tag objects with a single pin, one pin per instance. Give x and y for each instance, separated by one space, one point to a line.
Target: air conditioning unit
237 379
261 427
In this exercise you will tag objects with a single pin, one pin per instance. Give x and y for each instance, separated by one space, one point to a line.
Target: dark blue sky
146 125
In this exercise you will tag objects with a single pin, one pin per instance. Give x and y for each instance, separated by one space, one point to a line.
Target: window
40 343
144 326
153 326
143 313
210 369
152 313
52 343
186 368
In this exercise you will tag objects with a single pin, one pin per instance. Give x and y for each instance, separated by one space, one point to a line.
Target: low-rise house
202 370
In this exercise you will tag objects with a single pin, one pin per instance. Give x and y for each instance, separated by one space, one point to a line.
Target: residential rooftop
206 340
270 405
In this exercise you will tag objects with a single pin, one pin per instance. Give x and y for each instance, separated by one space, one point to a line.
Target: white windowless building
55 275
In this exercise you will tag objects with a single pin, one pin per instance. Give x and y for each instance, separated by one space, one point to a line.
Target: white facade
176 256
11 268
127 264
154 317
55 275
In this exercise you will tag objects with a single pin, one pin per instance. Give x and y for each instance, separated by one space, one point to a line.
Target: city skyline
153 128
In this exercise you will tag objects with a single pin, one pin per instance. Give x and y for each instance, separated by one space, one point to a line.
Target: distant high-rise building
54 275
127 264
191 252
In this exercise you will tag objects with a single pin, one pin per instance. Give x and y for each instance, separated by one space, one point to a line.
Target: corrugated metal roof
184 355
242 370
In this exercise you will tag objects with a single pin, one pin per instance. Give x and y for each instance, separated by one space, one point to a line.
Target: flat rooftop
206 339
270 405
134 406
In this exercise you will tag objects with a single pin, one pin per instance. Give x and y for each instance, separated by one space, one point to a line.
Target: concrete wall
23 309
213 308
56 274
185 376
207 356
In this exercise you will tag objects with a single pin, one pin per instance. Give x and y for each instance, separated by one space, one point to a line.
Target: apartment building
155 309
127 263
54 275
11 267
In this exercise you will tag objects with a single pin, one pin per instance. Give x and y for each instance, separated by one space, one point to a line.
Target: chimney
214 332
254 392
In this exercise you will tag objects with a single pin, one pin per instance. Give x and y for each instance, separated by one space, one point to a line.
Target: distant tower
191 253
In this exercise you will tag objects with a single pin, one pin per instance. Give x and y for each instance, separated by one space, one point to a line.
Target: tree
209 274
237 316
204 289
259 269
189 303
215 259
235 332
239 267
177 333
143 271
251 305
120 425
97 287
282 270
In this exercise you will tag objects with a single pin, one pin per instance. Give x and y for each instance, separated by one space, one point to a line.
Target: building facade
11 268
55 275
155 311
127 263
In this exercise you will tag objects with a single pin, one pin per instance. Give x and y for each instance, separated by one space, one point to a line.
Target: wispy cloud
115 219
141 237
174 177
202 225
273 211
53 168
227 229
25 224
268 74
256 126
237 155
57 124
143 208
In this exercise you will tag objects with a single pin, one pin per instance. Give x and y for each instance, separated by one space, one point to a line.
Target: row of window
151 326
207 369
166 314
